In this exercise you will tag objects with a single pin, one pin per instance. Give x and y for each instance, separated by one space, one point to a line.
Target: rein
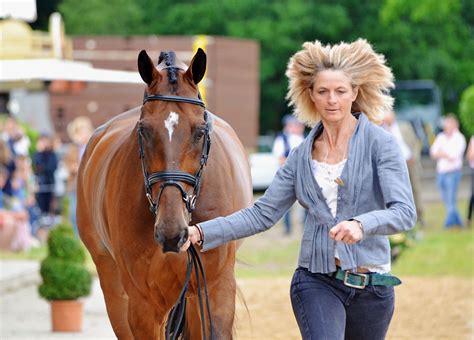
176 318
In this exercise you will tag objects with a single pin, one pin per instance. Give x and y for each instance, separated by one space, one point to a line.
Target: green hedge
466 110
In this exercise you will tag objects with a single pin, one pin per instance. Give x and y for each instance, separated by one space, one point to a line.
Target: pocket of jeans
382 291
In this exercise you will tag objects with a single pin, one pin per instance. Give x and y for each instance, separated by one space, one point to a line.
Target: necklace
334 173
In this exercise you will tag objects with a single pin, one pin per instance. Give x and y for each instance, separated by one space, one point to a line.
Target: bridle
176 177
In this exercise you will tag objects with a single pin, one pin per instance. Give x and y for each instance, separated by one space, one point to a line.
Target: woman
351 177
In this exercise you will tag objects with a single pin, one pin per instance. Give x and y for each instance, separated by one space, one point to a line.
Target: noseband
176 178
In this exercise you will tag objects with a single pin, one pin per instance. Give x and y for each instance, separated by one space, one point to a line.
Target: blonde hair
357 60
80 124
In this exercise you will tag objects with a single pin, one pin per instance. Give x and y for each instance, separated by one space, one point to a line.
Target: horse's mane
169 57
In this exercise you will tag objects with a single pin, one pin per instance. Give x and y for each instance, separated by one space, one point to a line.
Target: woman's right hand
194 237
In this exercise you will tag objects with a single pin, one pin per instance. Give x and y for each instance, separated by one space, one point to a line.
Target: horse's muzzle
173 244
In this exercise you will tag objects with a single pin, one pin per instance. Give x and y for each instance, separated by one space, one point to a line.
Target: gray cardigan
376 192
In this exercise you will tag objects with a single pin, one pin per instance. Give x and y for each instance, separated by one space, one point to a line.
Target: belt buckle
364 283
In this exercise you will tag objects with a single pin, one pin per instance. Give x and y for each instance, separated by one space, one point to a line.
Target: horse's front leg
143 317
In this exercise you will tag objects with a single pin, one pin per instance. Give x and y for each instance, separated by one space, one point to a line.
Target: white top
454 146
326 174
394 129
279 145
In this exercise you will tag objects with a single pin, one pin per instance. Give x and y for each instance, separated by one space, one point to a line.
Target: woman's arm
436 152
400 212
262 215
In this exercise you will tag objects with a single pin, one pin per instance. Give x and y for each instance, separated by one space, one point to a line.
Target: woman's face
332 95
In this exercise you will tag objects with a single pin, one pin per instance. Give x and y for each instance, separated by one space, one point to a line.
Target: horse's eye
200 132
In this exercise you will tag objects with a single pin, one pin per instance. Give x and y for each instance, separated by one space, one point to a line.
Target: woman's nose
332 97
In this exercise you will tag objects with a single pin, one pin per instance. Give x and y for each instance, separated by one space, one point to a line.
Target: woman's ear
310 91
355 92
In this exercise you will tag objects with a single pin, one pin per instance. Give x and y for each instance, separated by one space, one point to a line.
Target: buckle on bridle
362 285
190 201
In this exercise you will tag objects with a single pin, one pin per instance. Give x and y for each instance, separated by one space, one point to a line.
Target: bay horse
158 157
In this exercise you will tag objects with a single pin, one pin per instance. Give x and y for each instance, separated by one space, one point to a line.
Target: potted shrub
65 279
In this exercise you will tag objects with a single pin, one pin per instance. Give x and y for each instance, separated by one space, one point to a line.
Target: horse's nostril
159 238
172 244
183 237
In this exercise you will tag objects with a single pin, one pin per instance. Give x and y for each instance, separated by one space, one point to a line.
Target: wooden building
230 88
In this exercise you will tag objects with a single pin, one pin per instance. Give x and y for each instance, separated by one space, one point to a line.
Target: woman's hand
348 232
194 237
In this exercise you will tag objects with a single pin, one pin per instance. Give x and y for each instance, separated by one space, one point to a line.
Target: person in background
448 151
20 141
7 159
23 184
15 230
45 162
470 159
291 136
79 131
350 175
410 146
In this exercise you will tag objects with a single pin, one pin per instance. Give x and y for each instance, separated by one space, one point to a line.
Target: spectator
448 150
291 136
23 184
45 163
410 146
79 131
15 231
7 160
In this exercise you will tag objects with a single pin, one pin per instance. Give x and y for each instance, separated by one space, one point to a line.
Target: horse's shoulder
116 128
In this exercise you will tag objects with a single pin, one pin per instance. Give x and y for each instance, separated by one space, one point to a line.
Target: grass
32 254
38 254
279 260
441 252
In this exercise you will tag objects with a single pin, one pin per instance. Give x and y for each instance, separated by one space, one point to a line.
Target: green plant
466 110
63 271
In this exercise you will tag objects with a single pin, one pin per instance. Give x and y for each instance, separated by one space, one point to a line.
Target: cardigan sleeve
262 215
400 212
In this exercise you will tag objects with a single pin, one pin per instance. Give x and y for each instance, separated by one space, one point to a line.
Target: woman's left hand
348 232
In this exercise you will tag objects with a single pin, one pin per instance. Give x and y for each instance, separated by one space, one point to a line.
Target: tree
425 39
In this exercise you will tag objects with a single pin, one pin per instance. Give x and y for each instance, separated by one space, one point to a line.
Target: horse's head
173 134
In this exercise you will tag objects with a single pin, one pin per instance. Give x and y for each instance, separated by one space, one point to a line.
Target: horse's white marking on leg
170 122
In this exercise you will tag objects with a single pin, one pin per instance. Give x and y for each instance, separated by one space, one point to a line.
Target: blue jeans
327 309
448 184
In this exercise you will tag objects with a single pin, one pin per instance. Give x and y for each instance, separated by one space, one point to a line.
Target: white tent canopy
55 69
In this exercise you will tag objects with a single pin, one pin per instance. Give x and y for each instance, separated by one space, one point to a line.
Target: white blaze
170 122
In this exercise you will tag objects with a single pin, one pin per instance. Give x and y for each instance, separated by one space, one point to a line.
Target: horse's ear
146 68
197 67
